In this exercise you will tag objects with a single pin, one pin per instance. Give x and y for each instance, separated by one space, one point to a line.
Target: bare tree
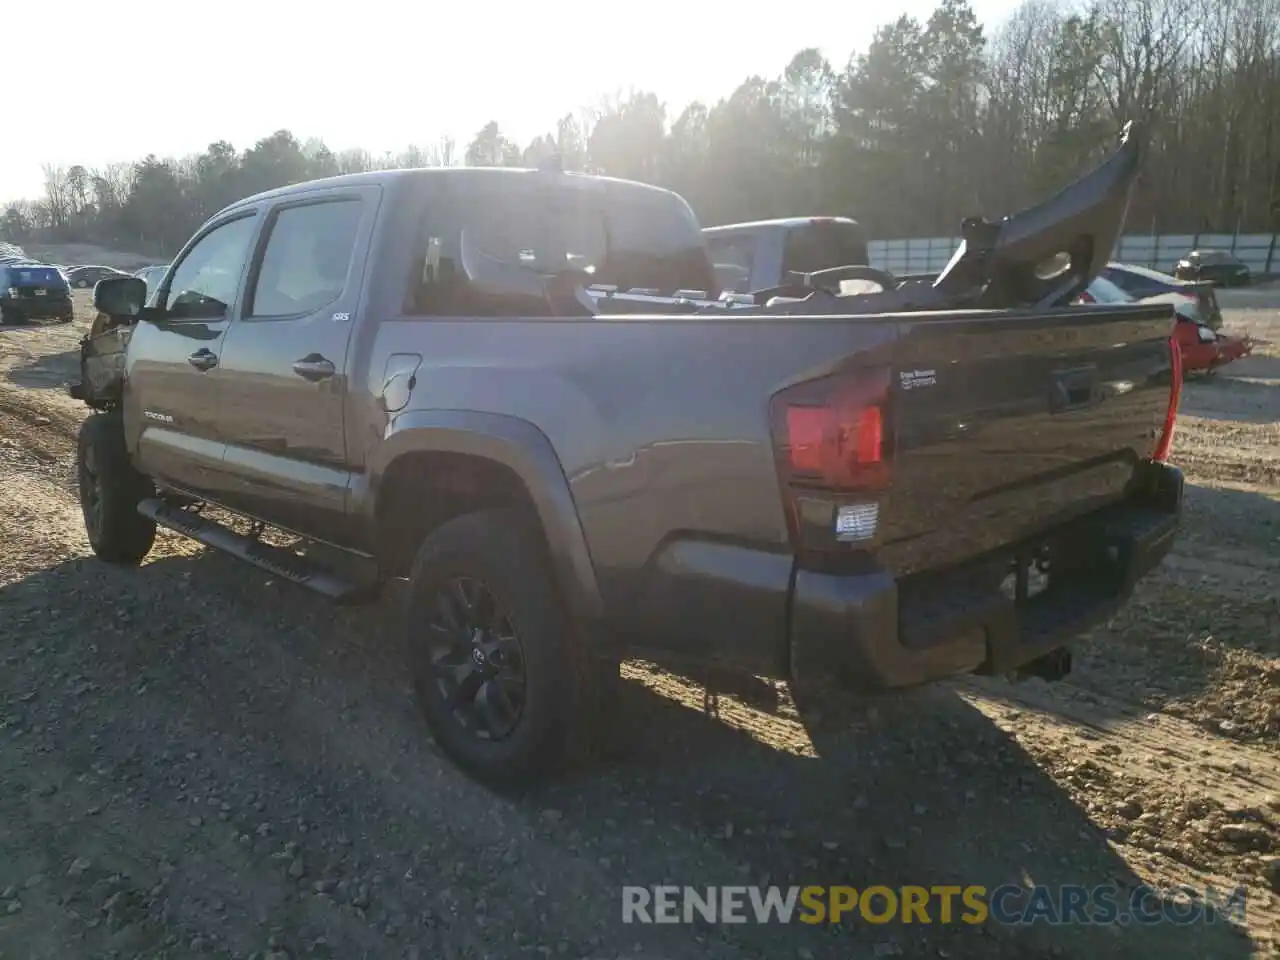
56 195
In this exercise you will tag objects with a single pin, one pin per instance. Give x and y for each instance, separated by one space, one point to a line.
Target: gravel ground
197 761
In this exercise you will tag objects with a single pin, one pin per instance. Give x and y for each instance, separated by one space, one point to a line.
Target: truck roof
785 223
460 176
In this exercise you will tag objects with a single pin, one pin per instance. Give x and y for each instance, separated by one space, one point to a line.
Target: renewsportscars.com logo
939 904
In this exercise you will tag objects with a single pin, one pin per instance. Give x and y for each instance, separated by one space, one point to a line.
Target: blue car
34 291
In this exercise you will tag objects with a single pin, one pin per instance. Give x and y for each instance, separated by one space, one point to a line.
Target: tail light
833 443
1087 297
1165 443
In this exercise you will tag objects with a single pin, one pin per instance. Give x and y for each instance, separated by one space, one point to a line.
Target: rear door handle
313 367
203 359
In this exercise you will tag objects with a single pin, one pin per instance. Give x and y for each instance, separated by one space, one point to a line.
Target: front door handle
313 367
203 359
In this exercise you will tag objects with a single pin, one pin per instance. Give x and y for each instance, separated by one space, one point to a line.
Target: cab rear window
624 237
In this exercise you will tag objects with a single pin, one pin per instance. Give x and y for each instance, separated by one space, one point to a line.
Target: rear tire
504 680
110 490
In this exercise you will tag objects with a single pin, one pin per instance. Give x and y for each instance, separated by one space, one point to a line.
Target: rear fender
526 451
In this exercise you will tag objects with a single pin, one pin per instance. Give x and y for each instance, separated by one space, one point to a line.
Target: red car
1203 349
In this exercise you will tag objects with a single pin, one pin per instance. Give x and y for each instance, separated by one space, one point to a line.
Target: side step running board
283 563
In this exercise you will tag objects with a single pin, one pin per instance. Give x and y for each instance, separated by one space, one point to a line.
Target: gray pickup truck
449 376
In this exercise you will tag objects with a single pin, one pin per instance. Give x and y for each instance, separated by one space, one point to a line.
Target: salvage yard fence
1259 251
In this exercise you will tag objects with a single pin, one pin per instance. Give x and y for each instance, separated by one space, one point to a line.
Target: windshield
1104 291
1216 256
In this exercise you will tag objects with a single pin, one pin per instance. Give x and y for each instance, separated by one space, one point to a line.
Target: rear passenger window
307 258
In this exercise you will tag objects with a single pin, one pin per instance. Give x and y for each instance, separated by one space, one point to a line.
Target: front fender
524 449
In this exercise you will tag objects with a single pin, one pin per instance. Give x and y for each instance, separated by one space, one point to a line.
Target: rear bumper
1207 356
875 633
37 308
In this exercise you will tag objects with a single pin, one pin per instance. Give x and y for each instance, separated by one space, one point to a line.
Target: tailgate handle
1073 388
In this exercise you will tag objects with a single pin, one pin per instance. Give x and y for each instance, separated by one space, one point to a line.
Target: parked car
152 276
34 291
87 276
1152 286
411 367
1218 267
1204 350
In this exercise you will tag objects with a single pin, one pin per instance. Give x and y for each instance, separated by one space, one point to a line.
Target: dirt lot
196 761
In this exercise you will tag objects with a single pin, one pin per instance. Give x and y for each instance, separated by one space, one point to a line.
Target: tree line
934 121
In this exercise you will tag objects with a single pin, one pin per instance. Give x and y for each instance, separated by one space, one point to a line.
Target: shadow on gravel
1228 517
1258 366
151 690
48 372
1222 397
1173 638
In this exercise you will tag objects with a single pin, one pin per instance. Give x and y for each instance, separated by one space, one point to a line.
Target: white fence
1260 251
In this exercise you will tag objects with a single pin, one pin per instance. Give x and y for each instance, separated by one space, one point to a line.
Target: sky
141 76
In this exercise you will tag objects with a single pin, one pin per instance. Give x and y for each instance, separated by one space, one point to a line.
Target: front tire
503 679
110 490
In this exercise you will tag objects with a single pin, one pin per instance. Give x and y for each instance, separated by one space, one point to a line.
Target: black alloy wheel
476 659
508 685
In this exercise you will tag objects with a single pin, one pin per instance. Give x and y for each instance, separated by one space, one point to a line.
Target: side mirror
120 297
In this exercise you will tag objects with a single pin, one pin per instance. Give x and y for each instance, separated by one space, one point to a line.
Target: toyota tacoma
518 391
